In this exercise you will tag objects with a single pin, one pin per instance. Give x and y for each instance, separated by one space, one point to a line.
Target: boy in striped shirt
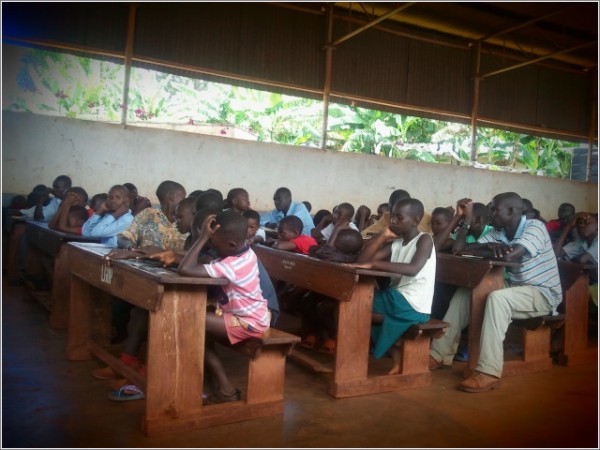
242 311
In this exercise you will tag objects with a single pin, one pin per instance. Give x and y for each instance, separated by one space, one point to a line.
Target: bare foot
395 370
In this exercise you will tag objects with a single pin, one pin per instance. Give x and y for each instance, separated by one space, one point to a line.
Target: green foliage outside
86 88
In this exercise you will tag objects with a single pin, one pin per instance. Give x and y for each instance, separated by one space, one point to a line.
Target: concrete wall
35 149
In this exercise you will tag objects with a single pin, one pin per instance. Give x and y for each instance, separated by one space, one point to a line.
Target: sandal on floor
127 393
309 341
219 397
328 347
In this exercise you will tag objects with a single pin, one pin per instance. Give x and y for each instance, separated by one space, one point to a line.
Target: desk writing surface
141 267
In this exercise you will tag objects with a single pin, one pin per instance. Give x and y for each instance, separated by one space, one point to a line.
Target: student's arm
62 216
38 213
109 225
317 232
189 265
422 254
285 245
377 248
63 208
560 241
463 216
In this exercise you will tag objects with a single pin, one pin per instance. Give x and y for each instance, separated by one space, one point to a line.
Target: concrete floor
48 401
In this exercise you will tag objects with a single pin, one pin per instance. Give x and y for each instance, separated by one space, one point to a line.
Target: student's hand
500 251
210 225
582 217
102 209
325 221
167 257
464 207
120 253
121 210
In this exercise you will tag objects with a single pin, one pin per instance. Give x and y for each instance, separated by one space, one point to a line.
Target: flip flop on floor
328 347
127 393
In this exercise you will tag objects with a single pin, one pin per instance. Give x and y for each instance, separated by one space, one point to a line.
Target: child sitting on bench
403 249
242 311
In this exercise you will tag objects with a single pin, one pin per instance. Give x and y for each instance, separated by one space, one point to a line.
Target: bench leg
415 355
266 376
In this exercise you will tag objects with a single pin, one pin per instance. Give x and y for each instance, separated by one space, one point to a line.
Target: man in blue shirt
284 206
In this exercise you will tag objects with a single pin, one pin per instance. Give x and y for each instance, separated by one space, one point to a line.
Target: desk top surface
284 256
150 269
65 236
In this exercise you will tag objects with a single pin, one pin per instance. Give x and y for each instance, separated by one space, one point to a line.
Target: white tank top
417 290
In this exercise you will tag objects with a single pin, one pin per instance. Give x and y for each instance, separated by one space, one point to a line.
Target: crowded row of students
207 235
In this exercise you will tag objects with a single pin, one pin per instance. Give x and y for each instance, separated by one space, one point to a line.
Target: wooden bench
266 368
535 334
415 343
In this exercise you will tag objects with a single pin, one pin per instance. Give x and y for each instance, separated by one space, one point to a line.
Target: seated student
242 312
440 221
584 250
151 230
111 217
532 289
284 207
69 213
384 222
209 199
137 202
403 249
362 218
256 235
530 212
97 201
469 223
291 237
341 218
237 200
47 207
319 313
319 216
566 212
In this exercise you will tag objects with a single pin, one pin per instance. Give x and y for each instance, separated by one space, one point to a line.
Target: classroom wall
36 149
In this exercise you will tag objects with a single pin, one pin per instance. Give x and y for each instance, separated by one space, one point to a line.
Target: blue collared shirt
296 209
106 227
48 211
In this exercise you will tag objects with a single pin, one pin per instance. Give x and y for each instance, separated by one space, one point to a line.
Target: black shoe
219 397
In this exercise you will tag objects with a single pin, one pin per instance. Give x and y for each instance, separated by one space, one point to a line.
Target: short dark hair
202 214
441 211
396 196
251 214
513 199
209 199
130 187
79 212
416 207
285 191
348 207
481 210
319 216
101 197
188 202
349 241
167 187
233 225
308 205
292 222
195 193
65 179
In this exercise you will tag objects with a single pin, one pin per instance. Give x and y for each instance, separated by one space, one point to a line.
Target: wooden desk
482 276
575 285
44 242
175 362
353 289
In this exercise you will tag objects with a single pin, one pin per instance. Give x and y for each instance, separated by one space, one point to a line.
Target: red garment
90 212
303 243
553 226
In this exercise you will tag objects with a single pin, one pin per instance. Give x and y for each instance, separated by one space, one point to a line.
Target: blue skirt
398 317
